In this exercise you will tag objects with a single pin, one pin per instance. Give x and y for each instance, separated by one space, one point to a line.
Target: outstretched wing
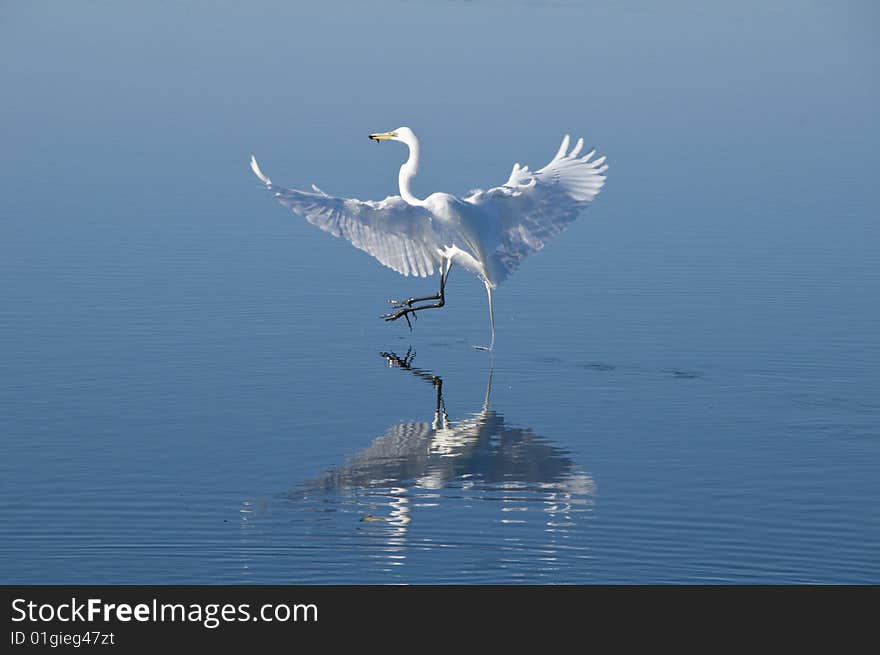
533 207
400 236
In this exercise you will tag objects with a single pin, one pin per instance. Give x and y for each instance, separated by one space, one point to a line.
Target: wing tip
563 147
255 167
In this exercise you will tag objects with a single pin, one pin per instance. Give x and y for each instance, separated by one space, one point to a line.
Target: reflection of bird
481 448
488 233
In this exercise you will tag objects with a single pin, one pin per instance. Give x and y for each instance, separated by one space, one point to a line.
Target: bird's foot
404 313
405 308
408 303
483 348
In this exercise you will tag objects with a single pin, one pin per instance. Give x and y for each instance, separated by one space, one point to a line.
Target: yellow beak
383 136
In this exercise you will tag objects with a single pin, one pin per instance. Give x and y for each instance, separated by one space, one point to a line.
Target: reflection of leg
488 390
491 320
441 420
405 307
394 359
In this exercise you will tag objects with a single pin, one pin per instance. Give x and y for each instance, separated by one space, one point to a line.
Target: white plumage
489 232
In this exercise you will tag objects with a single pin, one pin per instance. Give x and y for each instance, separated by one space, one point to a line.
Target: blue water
192 382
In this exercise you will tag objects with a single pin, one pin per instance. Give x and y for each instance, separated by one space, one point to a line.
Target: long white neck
408 172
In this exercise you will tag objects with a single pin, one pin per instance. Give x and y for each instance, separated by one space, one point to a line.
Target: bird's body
487 233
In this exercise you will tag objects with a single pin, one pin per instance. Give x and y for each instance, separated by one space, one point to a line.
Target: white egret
488 233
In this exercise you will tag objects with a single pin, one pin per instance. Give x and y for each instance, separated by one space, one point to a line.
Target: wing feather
533 207
400 236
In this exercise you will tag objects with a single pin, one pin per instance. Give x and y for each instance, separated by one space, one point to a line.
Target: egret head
411 166
402 134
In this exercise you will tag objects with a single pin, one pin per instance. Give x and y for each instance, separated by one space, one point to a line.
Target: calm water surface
195 386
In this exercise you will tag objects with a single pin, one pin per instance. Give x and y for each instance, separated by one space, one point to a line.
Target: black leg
412 310
398 304
405 307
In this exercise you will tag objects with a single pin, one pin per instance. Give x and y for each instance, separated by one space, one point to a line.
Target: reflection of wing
418 464
401 236
532 208
482 448
398 455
